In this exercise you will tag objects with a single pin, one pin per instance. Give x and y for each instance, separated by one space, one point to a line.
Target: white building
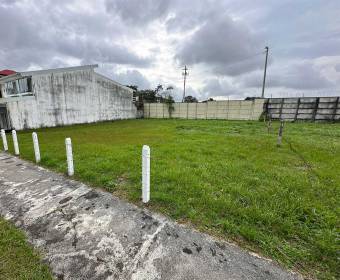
62 96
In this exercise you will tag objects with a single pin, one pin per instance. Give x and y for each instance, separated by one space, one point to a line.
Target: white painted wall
70 97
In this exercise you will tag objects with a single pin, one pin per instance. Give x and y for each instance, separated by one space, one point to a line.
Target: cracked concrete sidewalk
84 233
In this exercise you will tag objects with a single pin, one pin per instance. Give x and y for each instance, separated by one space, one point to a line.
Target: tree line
161 94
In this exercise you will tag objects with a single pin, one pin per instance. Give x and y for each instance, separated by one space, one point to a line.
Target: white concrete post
4 139
69 155
15 142
146 174
36 147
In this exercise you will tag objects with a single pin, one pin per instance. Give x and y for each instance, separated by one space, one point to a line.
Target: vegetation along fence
304 108
228 110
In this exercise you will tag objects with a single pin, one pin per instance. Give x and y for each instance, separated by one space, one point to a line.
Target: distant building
63 96
6 72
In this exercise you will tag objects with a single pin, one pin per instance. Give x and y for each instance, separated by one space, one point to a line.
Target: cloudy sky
147 42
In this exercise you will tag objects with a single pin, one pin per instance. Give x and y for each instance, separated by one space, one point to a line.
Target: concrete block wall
226 110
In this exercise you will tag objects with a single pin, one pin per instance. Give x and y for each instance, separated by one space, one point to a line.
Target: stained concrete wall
70 97
306 108
227 110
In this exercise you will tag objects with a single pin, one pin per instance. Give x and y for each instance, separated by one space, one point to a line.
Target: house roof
17 75
56 70
6 72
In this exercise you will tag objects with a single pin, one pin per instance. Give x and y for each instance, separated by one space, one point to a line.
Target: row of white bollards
68 144
69 157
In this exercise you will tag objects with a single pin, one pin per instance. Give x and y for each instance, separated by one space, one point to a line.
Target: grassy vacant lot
224 177
17 259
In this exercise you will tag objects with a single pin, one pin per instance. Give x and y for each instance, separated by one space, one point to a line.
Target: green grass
17 259
227 178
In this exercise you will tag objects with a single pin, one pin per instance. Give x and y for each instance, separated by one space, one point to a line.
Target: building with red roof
6 72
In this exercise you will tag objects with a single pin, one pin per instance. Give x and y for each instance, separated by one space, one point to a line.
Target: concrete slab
85 233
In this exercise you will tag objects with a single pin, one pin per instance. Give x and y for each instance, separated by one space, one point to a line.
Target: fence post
15 143
281 107
4 140
188 110
270 123
251 113
69 156
196 111
206 110
36 147
146 174
297 110
335 108
279 137
315 111
266 107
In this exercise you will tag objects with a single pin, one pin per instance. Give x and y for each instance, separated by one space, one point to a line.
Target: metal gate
4 120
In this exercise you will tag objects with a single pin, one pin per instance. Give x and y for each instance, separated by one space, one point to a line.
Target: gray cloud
337 68
227 45
132 77
313 47
138 12
213 87
309 29
31 38
225 38
186 17
300 76
219 87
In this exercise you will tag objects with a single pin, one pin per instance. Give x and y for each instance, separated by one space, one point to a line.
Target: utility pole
185 74
265 72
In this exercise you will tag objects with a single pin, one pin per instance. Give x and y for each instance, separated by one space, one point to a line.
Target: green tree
190 99
169 101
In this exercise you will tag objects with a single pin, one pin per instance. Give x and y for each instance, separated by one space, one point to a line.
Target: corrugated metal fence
228 110
305 108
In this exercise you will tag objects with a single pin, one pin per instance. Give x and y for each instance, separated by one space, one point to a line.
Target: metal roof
6 72
17 75
58 70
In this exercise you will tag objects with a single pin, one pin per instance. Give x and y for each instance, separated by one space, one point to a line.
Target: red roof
6 72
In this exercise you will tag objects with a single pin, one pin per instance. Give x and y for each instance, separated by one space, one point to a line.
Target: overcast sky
147 42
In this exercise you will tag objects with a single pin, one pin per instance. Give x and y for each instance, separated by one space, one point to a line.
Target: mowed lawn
227 178
17 258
